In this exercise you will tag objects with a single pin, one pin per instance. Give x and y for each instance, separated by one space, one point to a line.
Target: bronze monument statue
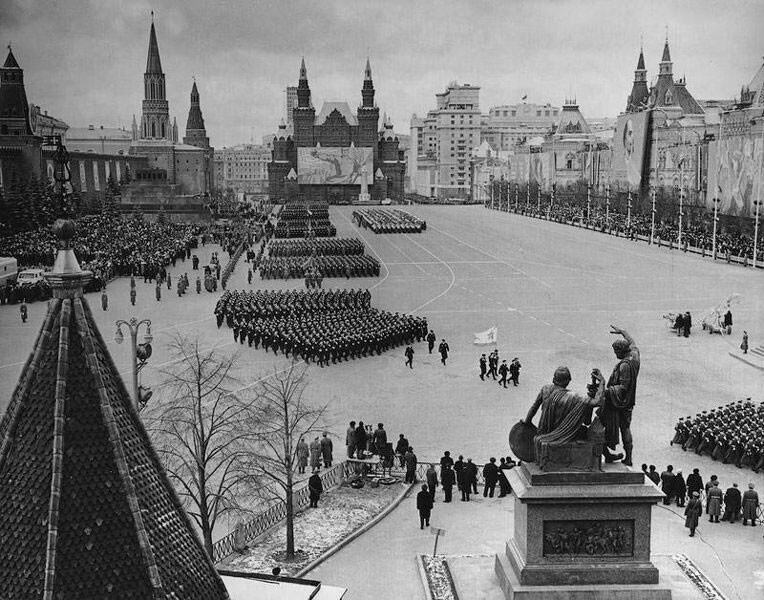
563 440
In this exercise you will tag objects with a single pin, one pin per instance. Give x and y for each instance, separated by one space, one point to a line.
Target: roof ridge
59 421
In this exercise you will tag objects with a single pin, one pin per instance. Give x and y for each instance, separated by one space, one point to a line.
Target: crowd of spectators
728 243
107 245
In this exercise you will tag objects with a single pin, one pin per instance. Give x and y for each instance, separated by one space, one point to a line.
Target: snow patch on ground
340 512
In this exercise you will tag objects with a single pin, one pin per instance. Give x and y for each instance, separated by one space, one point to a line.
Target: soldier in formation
733 433
319 326
330 266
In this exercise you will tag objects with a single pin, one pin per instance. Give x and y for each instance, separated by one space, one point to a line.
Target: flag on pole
524 97
487 337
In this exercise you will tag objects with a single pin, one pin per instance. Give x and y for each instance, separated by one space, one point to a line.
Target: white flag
487 337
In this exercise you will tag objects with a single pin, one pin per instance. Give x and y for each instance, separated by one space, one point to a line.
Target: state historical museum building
331 154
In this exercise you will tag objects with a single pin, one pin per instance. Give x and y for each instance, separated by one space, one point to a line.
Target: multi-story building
442 143
103 140
336 154
510 125
45 124
291 102
242 168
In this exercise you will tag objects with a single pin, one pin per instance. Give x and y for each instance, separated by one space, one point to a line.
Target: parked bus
9 270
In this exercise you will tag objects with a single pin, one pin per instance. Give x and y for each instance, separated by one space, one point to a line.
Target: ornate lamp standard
139 354
588 202
716 201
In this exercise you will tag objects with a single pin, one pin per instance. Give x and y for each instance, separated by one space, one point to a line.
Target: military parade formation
326 266
304 221
316 247
394 220
731 434
317 325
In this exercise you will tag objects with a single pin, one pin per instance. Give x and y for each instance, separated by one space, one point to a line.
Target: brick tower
155 122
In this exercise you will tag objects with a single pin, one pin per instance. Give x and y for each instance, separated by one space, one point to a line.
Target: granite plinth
578 530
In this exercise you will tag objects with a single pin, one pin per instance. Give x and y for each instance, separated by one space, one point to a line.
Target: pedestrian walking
493 364
514 371
249 276
132 296
744 343
443 349
431 476
424 506
679 489
23 310
169 281
692 513
447 481
303 452
326 450
315 489
483 367
732 502
462 478
666 478
472 473
104 300
198 285
159 292
503 371
401 447
694 482
430 341
409 357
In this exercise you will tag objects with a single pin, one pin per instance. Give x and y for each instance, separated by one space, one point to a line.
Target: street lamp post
538 197
138 352
517 190
628 210
681 202
652 219
756 232
588 202
528 195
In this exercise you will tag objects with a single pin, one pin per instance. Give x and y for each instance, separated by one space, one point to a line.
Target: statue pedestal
364 197
580 536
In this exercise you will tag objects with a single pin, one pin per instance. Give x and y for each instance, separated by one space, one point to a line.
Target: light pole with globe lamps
139 354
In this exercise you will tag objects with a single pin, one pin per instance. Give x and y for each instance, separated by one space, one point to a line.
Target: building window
538 113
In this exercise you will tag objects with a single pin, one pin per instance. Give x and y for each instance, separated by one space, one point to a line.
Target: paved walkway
382 563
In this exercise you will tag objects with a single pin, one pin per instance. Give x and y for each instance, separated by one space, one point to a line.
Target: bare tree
284 416
204 433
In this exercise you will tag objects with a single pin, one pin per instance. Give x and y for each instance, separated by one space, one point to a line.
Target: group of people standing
490 367
734 504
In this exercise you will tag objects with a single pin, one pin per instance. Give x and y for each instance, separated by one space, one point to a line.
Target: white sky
84 59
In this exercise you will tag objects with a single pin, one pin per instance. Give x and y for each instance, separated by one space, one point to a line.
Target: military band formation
733 434
393 220
304 221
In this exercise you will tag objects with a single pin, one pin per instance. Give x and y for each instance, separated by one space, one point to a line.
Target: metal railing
275 512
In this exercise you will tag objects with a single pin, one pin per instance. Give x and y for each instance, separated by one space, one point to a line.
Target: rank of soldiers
317 247
394 220
324 326
328 266
733 433
304 220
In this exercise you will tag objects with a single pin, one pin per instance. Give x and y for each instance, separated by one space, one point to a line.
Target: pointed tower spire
666 67
640 95
196 134
14 107
367 92
155 120
303 89
100 513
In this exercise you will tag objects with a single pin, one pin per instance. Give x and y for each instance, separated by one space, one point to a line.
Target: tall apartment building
291 103
442 143
512 124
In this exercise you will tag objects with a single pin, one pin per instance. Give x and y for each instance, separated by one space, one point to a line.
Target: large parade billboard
734 168
629 148
334 166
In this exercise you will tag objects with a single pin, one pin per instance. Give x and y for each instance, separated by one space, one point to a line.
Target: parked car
30 277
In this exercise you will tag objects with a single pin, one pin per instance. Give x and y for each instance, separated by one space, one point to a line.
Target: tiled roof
153 64
87 509
678 94
10 61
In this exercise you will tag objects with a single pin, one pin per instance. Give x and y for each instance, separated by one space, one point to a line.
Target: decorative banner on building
119 172
83 178
334 166
107 166
541 169
734 167
629 148
519 167
96 182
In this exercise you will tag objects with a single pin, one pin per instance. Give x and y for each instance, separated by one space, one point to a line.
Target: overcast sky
84 59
